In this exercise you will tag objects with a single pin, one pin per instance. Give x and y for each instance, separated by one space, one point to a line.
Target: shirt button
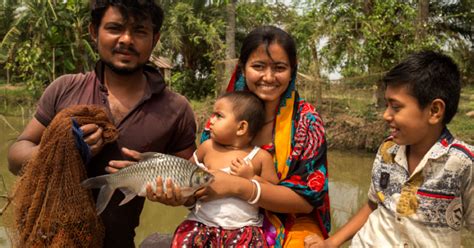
103 101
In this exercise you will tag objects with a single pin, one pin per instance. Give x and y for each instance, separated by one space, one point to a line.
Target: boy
422 185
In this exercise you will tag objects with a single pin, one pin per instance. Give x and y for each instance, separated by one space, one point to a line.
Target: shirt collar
439 149
155 80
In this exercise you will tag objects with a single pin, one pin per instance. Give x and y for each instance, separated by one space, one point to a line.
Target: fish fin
129 195
147 155
142 191
187 191
95 182
105 192
103 199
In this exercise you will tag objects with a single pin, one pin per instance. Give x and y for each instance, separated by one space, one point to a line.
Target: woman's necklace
268 122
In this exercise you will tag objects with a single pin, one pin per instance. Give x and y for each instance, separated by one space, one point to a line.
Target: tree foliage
42 39
47 39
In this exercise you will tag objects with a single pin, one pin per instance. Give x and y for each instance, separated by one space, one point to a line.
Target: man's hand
116 165
172 196
93 137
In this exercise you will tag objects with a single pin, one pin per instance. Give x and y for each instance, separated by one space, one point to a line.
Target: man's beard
123 71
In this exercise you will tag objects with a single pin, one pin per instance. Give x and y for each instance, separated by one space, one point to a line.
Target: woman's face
268 77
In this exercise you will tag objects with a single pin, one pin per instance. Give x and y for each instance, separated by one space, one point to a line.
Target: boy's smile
409 123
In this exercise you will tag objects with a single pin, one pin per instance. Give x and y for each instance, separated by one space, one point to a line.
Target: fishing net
50 208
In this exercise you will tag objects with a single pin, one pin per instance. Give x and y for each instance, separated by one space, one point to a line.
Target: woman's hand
116 165
224 185
172 196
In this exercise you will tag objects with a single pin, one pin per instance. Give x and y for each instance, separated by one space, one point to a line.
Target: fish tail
105 193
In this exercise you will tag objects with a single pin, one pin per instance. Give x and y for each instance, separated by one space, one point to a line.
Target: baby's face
224 124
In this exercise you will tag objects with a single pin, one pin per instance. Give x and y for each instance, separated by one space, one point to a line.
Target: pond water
349 173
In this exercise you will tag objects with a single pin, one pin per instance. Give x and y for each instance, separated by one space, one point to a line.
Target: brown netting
50 207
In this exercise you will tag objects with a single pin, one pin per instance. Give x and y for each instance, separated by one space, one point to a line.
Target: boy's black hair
136 9
429 75
247 107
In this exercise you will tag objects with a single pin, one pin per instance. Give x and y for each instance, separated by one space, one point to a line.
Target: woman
299 205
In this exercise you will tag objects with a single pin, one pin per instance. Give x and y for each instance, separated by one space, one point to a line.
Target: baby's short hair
429 75
247 107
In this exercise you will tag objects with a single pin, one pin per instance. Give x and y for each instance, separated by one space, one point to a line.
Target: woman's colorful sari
300 156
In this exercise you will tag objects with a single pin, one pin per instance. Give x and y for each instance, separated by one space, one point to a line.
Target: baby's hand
241 168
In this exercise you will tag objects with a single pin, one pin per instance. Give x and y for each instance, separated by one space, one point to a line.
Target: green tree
47 39
192 37
366 37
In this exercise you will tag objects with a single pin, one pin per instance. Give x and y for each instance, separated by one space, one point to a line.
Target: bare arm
347 231
25 146
28 143
268 169
275 198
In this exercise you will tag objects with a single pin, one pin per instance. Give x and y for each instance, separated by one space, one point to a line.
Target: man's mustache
129 50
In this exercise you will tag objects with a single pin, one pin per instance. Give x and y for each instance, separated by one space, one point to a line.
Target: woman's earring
240 84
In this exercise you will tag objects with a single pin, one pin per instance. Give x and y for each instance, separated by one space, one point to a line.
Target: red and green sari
300 156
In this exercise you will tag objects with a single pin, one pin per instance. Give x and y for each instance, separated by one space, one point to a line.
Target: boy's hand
315 241
241 168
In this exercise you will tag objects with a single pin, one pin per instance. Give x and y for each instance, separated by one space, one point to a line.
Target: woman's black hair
268 35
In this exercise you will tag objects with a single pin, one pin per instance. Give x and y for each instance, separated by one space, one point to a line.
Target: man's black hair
429 75
136 9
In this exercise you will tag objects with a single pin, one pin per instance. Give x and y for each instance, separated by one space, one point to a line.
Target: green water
349 173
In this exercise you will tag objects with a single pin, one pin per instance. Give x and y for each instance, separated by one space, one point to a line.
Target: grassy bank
15 100
351 119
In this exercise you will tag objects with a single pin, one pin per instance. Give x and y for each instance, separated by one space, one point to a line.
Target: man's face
124 45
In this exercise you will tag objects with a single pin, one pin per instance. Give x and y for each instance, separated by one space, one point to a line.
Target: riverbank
353 122
351 119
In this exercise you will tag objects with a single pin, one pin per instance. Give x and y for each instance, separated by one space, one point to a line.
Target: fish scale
132 180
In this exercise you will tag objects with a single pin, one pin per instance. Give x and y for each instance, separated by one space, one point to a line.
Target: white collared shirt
426 208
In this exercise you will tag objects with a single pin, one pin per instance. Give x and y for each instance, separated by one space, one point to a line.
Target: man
148 116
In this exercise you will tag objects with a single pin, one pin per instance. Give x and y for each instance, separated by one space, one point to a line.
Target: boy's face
224 124
409 124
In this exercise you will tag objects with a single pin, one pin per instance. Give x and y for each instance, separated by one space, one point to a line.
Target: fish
132 180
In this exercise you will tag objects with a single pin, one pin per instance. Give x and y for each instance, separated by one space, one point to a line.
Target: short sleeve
467 196
185 132
47 104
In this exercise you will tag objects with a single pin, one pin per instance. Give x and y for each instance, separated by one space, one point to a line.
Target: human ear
242 128
156 38
437 110
93 32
